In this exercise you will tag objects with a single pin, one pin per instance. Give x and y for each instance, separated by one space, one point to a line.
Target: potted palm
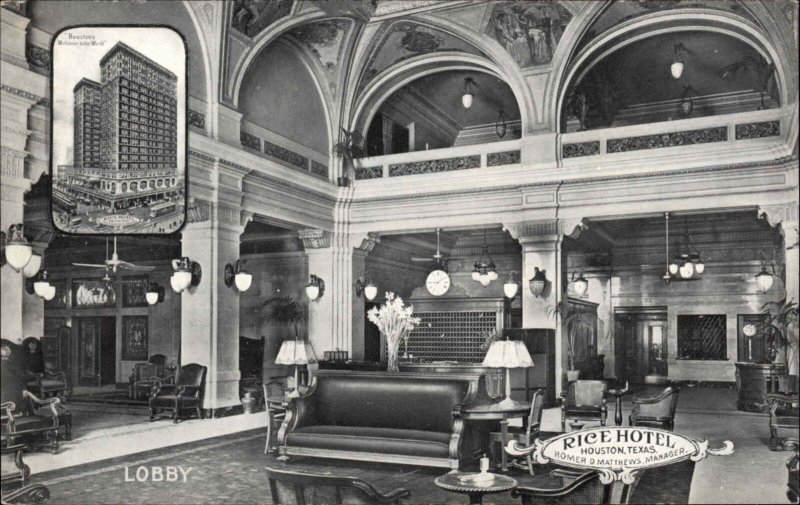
349 147
287 311
779 327
574 321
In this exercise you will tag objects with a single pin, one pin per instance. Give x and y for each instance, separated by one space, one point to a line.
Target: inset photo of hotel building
119 130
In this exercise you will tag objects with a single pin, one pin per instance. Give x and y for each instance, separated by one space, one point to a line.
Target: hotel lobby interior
591 206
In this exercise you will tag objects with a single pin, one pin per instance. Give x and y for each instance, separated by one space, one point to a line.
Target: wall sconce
154 294
511 286
238 275
579 283
33 266
469 92
187 273
687 103
39 286
537 282
367 287
676 68
764 279
500 126
17 251
315 289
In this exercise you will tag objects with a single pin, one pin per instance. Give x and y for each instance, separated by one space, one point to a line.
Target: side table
619 393
475 490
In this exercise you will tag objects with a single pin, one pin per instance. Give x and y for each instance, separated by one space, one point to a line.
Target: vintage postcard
119 130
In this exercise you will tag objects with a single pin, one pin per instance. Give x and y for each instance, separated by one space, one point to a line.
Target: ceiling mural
324 40
252 16
529 31
405 40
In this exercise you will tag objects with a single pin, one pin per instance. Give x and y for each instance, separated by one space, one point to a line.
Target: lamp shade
33 266
538 282
581 285
370 291
312 291
173 281
50 293
18 255
764 280
182 279
510 289
151 297
700 267
243 281
296 352
508 354
40 287
676 69
466 100
687 269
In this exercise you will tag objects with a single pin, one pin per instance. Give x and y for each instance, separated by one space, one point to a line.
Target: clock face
438 282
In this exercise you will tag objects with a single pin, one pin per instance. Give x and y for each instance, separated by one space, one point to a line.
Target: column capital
545 230
368 242
778 213
315 238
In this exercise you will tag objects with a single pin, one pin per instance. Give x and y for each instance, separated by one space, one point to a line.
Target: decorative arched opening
623 76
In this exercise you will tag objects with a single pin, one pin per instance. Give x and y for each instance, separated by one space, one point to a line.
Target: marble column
210 311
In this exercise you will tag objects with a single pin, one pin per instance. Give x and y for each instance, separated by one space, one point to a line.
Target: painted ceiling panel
324 40
529 31
252 16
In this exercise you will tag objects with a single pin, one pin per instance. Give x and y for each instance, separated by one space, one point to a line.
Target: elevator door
97 340
641 345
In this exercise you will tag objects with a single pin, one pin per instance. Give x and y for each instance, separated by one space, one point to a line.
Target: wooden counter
754 381
494 376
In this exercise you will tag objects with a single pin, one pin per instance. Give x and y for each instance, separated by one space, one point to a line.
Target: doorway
97 351
640 336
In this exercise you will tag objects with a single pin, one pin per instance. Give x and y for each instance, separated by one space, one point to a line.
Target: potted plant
350 146
395 321
287 311
574 320
779 327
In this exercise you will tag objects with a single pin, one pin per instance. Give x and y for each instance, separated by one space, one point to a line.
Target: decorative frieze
283 154
503 158
12 163
197 119
579 149
314 238
201 155
434 166
368 173
39 57
703 136
22 93
198 211
758 130
319 169
251 141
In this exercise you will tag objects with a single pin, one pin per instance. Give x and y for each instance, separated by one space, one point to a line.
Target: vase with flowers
395 321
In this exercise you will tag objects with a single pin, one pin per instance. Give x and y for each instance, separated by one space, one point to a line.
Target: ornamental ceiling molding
274 181
788 161
22 94
314 238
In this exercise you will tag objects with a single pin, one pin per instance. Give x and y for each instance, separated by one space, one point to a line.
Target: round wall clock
438 282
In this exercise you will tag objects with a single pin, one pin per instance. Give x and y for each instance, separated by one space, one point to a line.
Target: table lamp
296 352
508 354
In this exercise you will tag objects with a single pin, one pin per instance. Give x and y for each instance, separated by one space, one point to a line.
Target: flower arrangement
394 320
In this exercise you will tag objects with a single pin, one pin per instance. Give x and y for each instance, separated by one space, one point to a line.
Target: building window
702 337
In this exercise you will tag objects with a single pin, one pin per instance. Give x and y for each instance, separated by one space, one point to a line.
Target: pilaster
229 123
13 37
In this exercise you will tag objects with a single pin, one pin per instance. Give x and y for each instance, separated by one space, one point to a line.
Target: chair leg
269 436
153 414
530 463
773 438
199 412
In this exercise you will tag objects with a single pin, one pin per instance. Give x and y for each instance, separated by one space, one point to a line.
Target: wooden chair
524 436
576 487
655 412
301 488
140 383
14 474
25 417
186 393
784 414
585 399
276 413
42 381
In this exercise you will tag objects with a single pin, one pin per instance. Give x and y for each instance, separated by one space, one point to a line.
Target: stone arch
124 187
650 25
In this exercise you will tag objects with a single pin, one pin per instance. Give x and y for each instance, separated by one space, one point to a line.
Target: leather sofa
403 418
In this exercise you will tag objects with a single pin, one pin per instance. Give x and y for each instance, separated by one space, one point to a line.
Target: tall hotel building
125 135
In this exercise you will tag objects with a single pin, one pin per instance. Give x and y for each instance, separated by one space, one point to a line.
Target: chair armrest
53 403
8 406
55 375
566 474
783 398
188 389
376 496
35 375
159 386
554 492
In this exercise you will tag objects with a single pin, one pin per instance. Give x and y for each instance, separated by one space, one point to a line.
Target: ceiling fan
112 264
438 257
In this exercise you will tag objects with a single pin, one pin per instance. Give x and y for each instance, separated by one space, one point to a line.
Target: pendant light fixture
686 266
17 250
468 95
511 287
579 283
765 279
500 126
687 101
676 68
484 270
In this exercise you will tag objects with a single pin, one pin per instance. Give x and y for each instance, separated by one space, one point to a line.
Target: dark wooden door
97 346
640 345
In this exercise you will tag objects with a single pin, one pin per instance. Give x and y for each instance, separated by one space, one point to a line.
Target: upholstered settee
404 418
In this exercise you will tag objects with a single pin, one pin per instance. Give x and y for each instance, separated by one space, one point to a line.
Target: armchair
143 375
585 399
276 411
576 487
41 380
291 488
15 473
527 435
784 414
185 393
657 412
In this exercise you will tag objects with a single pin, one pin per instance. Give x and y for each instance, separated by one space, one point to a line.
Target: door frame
641 317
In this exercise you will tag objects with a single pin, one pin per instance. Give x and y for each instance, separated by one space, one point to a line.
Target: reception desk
754 381
494 376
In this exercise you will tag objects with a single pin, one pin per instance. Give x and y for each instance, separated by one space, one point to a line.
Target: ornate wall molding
314 238
12 162
274 181
196 119
434 166
683 138
250 141
368 173
39 232
368 243
758 130
198 211
503 158
777 214
39 57
22 93
294 159
525 229
202 156
580 149
319 169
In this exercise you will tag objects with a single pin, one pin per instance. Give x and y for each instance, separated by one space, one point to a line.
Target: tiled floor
229 469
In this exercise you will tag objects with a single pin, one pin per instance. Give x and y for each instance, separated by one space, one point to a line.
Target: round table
501 412
475 490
